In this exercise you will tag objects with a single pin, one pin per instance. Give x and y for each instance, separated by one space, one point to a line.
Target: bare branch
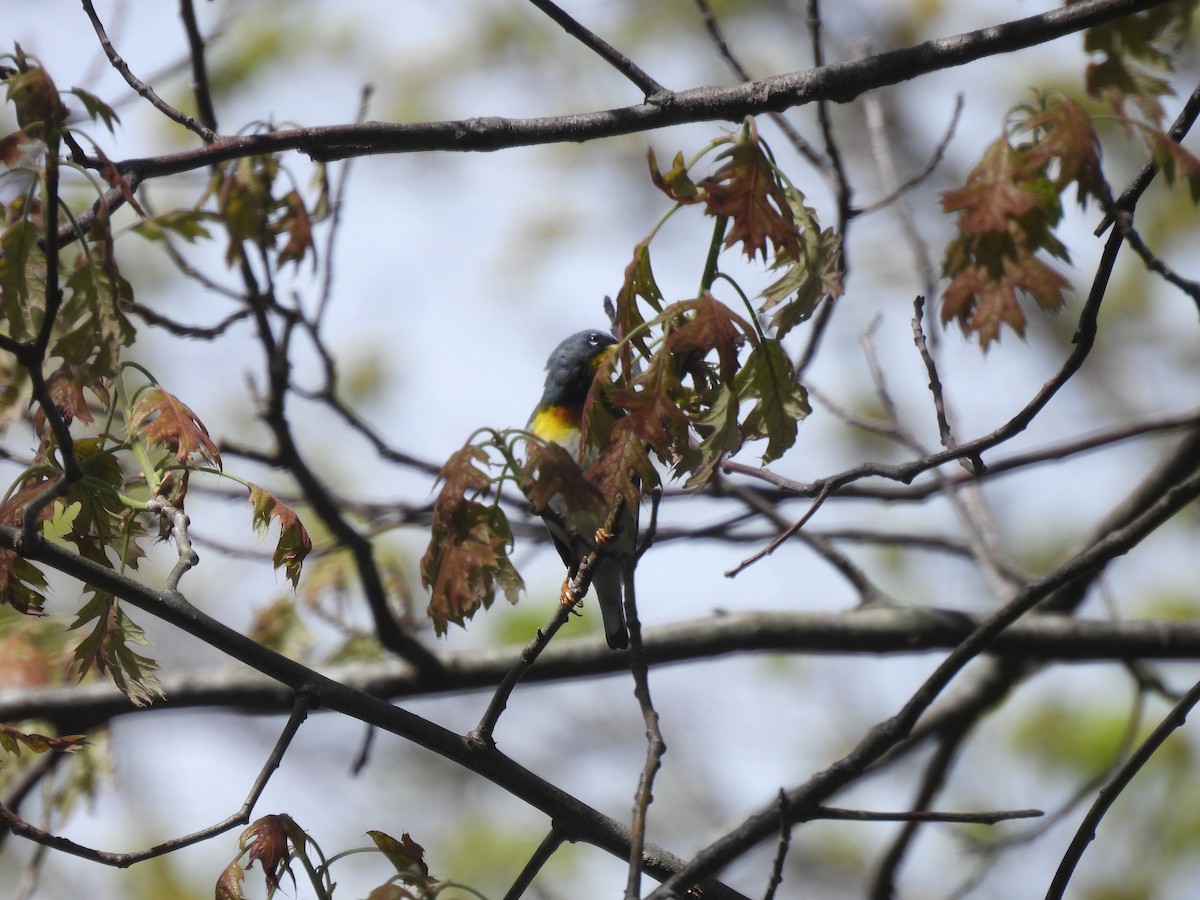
627 67
840 82
1173 721
200 85
144 90
124 860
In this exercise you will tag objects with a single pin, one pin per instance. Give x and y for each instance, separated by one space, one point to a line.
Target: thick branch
876 630
578 821
841 82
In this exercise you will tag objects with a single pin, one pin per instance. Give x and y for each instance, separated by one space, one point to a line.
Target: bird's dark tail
607 584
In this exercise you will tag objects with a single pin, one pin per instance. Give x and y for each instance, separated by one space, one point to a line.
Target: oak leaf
780 402
163 419
467 557
294 544
748 192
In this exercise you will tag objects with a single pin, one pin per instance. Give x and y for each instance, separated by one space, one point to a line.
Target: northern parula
558 418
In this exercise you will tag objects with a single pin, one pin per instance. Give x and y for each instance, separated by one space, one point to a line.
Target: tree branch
839 82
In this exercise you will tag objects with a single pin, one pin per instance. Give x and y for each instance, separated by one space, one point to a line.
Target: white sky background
455 275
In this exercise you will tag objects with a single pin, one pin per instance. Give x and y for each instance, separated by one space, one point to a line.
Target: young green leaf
780 401
294 544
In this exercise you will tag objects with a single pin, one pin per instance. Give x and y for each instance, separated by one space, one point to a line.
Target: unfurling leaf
1064 136
405 854
676 184
294 544
163 419
271 840
229 884
1007 213
12 740
469 541
639 282
297 225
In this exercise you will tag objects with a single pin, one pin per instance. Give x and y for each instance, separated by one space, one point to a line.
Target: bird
558 419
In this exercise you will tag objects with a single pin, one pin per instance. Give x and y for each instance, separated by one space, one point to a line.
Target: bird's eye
593 339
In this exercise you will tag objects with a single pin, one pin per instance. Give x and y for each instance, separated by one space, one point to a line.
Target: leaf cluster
691 383
114 453
1007 212
278 844
1011 203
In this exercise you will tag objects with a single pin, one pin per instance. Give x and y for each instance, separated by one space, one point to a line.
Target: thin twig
803 147
774 545
123 860
546 849
1086 833
201 88
888 734
919 815
179 528
656 747
610 54
144 90
833 153
481 734
897 189
781 848
1124 221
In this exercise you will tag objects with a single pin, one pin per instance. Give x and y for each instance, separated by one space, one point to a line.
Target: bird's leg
575 586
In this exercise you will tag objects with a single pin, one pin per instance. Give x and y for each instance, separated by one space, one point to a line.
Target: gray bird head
572 366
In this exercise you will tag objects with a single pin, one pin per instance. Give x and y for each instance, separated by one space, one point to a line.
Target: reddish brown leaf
297 225
652 414
996 192
639 282
1064 134
982 303
114 177
624 468
703 326
747 191
294 544
550 471
467 557
270 841
162 418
